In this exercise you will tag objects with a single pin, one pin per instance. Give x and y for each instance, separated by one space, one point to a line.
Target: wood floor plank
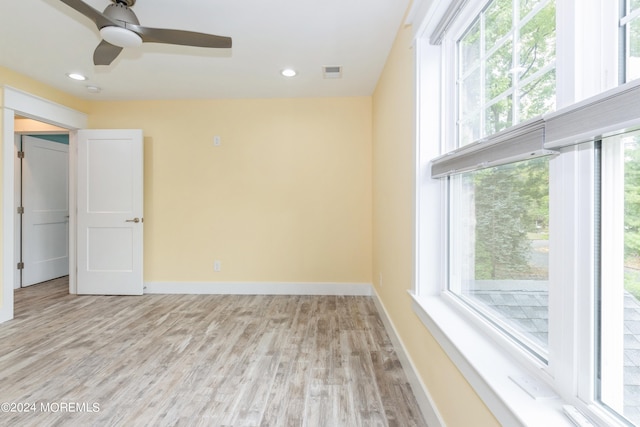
210 360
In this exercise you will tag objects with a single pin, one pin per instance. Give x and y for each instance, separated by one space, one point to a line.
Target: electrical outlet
216 141
217 265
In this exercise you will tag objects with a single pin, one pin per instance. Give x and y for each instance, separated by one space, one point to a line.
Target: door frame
17 102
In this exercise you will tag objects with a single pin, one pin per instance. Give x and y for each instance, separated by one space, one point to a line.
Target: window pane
527 6
469 47
499 116
498 21
500 246
539 96
635 4
538 42
620 276
633 61
470 130
470 94
498 75
469 114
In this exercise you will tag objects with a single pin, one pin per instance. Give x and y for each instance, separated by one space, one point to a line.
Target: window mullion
571 269
623 37
612 273
535 76
515 74
627 51
483 76
571 358
628 17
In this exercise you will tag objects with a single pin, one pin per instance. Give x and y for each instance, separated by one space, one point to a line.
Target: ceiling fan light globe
121 37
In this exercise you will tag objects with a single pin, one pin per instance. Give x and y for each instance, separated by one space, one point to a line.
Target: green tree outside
632 215
511 202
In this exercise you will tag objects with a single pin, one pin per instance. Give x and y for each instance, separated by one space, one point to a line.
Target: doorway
42 200
17 103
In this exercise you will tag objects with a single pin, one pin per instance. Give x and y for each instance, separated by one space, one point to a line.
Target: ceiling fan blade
105 53
96 16
179 37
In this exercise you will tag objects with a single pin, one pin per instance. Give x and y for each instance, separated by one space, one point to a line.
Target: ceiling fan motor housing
120 12
127 3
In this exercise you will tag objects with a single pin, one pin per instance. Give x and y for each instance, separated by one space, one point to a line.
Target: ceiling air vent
332 72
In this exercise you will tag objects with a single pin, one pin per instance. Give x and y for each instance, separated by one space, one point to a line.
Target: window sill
486 367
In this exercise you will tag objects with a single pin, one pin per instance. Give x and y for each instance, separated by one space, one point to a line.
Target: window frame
460 332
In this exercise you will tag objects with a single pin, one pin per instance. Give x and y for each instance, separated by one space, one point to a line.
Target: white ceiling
45 39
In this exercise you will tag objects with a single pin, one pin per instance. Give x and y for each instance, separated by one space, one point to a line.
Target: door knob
133 220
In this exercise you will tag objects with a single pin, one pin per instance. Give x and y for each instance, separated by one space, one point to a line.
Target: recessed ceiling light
76 76
289 72
94 89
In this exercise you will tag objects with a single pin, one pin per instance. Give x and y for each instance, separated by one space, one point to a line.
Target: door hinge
21 154
20 210
21 266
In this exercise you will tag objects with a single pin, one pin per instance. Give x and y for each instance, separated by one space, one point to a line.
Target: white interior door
45 199
109 217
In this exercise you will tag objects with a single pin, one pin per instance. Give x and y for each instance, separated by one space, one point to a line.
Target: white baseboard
423 397
258 288
6 313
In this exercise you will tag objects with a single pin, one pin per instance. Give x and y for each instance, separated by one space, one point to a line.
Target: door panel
110 198
45 198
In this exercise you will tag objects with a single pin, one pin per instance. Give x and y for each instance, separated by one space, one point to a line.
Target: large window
529 228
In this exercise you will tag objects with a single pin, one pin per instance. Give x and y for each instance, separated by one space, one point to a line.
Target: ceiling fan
120 28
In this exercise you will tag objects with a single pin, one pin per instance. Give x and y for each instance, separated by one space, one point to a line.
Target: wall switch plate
216 141
217 265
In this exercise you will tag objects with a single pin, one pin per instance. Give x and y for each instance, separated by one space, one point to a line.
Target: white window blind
614 111
519 142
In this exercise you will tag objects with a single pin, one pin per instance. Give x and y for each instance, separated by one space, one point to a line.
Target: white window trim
487 369
612 256
476 349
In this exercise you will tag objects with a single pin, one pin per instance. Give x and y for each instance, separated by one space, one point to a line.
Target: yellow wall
286 197
393 237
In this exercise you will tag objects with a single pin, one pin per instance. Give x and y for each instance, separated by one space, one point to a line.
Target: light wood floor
200 360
